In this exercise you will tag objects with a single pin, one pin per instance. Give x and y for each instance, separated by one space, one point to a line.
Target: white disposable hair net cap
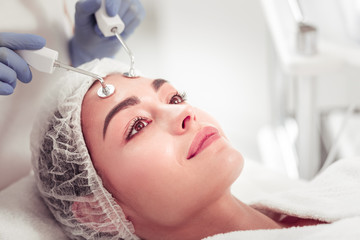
66 177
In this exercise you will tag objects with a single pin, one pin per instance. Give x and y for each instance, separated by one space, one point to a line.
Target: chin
234 163
231 164
236 160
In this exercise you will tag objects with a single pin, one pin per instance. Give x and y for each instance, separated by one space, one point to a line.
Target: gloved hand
12 66
88 41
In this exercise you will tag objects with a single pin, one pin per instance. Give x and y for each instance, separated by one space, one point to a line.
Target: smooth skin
164 194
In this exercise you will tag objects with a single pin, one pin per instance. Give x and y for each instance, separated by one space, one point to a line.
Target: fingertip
26 76
6 89
14 66
23 72
12 78
21 41
37 42
7 75
42 41
21 68
112 7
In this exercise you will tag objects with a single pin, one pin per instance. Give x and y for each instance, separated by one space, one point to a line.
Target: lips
202 140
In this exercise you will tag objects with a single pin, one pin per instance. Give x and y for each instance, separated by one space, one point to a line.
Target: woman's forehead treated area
124 87
94 108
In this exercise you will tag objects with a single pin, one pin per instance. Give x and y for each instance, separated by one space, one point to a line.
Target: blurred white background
215 51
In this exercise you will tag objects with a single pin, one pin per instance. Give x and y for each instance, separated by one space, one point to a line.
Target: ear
90 213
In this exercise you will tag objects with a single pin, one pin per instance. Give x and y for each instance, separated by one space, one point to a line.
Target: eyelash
181 95
138 119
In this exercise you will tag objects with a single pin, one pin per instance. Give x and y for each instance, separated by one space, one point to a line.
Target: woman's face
162 159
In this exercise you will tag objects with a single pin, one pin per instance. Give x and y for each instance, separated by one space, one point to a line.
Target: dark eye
177 98
137 125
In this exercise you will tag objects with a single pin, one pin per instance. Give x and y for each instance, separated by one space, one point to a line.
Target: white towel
333 196
23 214
347 229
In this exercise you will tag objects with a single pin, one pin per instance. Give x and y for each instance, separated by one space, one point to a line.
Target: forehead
123 88
123 83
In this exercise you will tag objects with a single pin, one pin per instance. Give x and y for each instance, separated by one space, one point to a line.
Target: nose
179 118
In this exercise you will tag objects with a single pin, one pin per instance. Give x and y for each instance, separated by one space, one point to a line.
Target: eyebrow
157 83
130 101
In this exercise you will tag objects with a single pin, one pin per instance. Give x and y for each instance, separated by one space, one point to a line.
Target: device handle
108 24
42 60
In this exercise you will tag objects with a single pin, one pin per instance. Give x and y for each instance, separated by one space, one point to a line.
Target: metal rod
78 70
128 51
84 72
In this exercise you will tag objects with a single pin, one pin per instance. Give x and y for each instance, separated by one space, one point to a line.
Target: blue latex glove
12 66
88 42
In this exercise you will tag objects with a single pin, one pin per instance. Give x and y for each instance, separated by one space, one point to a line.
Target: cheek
149 178
143 164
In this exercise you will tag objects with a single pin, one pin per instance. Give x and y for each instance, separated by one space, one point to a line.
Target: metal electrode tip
105 90
130 74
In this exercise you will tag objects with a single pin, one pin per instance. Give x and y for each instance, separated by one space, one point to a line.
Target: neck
225 215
